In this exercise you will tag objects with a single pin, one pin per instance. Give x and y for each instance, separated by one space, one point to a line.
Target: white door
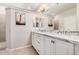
63 48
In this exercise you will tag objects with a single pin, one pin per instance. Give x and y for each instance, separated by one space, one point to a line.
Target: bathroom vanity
47 43
50 43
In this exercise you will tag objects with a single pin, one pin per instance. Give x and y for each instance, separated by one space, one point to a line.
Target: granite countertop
71 38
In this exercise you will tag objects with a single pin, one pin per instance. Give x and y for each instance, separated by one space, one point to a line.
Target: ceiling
53 8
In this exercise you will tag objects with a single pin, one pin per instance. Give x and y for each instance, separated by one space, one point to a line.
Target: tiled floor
24 51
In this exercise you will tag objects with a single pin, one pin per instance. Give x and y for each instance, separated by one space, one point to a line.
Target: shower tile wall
2 26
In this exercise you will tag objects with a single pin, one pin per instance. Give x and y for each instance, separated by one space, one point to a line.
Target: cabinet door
37 42
63 48
49 46
77 49
33 39
52 46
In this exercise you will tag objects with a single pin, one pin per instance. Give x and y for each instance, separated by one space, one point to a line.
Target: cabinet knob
38 42
52 41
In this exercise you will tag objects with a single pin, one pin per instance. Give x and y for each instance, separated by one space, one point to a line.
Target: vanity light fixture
42 8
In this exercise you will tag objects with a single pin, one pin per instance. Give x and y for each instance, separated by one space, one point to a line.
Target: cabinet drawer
37 47
38 44
38 51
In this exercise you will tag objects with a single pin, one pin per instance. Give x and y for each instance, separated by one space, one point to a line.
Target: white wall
67 20
8 28
17 35
21 34
78 16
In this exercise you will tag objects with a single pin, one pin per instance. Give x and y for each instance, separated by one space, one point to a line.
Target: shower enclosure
2 28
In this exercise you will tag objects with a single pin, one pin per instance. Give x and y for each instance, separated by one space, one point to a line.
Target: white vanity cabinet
37 42
58 47
62 48
47 45
76 49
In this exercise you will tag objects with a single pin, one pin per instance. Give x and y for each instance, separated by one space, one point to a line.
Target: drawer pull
38 35
52 41
38 42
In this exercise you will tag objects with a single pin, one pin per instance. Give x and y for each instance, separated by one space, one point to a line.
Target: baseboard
18 48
